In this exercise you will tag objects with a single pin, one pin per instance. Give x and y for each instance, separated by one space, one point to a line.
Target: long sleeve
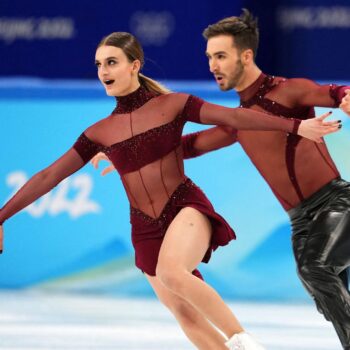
337 92
188 148
199 111
202 142
301 92
47 179
86 148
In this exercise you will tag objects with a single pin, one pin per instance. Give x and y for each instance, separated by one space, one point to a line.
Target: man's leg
345 278
322 257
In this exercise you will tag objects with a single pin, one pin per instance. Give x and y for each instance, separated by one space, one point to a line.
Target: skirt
147 233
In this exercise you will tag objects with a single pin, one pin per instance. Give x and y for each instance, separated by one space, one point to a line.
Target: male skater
301 173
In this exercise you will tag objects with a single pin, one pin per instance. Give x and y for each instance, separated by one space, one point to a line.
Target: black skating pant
321 245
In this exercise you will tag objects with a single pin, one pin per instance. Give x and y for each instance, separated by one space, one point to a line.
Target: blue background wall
304 38
77 238
57 39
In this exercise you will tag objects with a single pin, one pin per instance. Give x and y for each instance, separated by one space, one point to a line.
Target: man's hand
345 103
101 156
315 128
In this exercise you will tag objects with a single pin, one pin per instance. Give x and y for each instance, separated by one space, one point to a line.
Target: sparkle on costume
133 101
263 93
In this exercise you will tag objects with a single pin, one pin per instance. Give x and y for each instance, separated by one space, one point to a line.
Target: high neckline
252 89
133 101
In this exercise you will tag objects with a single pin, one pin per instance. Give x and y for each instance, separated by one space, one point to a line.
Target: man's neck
249 77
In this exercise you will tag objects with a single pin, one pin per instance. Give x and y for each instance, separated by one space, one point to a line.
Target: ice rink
37 321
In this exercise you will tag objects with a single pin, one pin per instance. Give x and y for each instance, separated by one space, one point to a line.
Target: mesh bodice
142 138
144 144
294 167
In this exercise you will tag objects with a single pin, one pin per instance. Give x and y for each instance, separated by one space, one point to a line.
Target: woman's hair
244 29
133 51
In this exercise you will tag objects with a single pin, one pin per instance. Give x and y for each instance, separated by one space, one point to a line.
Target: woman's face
116 73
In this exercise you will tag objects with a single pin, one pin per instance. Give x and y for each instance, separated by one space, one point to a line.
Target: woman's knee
171 276
181 309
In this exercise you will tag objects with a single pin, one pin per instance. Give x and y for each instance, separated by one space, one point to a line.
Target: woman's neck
134 100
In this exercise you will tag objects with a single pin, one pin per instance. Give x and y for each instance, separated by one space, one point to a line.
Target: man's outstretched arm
201 142
305 92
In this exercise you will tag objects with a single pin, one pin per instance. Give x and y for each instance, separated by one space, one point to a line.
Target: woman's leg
184 245
197 328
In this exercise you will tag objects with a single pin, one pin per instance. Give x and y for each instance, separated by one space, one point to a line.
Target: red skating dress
142 138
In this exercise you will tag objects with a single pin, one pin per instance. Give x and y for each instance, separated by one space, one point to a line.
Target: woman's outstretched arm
42 182
199 111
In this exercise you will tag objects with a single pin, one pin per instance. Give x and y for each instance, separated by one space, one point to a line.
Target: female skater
174 226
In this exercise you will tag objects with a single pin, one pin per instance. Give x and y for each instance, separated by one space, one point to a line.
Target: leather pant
321 246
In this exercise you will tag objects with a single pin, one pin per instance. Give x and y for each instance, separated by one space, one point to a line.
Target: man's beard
234 78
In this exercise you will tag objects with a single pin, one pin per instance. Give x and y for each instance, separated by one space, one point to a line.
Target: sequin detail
148 232
142 149
276 108
168 212
272 106
192 109
133 101
86 148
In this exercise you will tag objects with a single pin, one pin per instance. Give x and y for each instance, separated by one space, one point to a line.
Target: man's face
224 61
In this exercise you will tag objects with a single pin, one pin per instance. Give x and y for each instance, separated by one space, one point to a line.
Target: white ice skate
243 341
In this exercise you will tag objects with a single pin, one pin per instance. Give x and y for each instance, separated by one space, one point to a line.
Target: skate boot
243 341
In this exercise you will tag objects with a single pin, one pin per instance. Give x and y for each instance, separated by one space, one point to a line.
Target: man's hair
244 29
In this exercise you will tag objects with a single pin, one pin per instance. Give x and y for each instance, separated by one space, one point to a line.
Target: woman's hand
315 128
101 156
